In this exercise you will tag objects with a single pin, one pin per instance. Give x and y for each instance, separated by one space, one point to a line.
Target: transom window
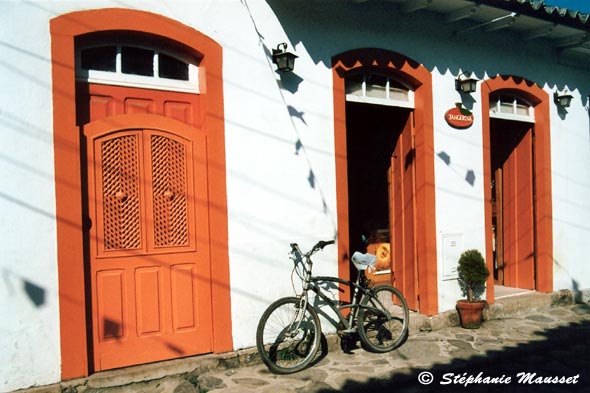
378 89
137 65
511 108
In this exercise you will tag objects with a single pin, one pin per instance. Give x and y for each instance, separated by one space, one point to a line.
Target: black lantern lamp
284 60
467 84
563 98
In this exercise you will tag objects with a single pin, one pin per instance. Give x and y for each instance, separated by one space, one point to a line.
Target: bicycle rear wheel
288 337
383 319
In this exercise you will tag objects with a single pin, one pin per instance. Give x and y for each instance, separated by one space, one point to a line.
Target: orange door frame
543 220
420 80
73 286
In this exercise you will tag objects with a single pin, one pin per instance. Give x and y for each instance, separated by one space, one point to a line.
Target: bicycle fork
298 317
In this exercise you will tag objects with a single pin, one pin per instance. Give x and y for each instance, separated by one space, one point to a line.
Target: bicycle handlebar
303 261
323 243
318 246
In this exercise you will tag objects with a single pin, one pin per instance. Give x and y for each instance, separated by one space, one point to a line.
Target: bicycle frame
311 283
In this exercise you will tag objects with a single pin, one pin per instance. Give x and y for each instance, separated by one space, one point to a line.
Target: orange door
402 215
148 240
518 210
149 252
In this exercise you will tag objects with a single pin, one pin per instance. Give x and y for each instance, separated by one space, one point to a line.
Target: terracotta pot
471 314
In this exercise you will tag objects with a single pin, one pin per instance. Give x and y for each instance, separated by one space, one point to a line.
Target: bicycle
289 332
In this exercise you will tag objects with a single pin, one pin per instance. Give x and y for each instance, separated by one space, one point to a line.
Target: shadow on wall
579 296
469 174
36 294
560 353
327 28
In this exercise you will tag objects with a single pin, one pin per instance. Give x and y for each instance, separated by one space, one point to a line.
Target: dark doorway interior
372 135
505 136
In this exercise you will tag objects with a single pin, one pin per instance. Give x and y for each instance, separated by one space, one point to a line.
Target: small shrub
472 274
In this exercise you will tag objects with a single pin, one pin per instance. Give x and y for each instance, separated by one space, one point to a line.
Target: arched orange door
416 162
76 108
148 240
519 154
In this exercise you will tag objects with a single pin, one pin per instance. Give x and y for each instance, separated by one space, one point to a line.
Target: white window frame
387 101
496 113
118 78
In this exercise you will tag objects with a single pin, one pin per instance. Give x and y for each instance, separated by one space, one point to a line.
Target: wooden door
518 213
148 214
402 215
149 252
512 158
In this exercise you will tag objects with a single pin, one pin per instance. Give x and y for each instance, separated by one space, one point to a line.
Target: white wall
29 328
29 309
570 161
280 171
280 167
459 186
280 153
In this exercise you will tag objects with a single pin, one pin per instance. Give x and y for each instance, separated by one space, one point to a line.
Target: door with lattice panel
149 240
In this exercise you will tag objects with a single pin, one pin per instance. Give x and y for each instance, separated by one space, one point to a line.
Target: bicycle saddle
363 261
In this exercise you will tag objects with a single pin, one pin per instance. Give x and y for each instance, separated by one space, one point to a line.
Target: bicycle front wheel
383 319
288 336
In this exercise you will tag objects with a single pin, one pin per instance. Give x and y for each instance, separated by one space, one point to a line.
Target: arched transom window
135 62
510 107
378 89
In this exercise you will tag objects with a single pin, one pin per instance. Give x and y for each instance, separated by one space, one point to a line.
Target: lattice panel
121 193
169 192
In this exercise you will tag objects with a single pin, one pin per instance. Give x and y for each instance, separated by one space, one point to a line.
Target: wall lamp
563 98
466 85
284 60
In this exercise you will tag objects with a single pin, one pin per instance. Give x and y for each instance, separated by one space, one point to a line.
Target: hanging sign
459 117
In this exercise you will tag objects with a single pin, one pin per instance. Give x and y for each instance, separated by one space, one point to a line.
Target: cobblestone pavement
530 343
545 350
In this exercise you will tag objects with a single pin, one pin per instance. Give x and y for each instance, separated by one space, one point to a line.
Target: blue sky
578 5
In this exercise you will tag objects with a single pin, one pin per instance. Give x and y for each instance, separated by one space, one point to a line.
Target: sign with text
459 117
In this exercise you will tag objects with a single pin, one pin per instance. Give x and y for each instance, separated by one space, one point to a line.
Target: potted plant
472 279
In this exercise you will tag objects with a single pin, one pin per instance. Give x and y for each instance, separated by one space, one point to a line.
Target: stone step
501 308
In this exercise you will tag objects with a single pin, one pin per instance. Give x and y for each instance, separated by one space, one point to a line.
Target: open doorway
373 140
521 108
513 205
372 78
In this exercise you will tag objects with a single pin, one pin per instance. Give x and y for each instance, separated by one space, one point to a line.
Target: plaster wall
29 328
570 160
326 28
280 167
279 173
280 152
459 187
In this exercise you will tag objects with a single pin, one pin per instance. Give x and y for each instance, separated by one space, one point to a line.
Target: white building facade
155 166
